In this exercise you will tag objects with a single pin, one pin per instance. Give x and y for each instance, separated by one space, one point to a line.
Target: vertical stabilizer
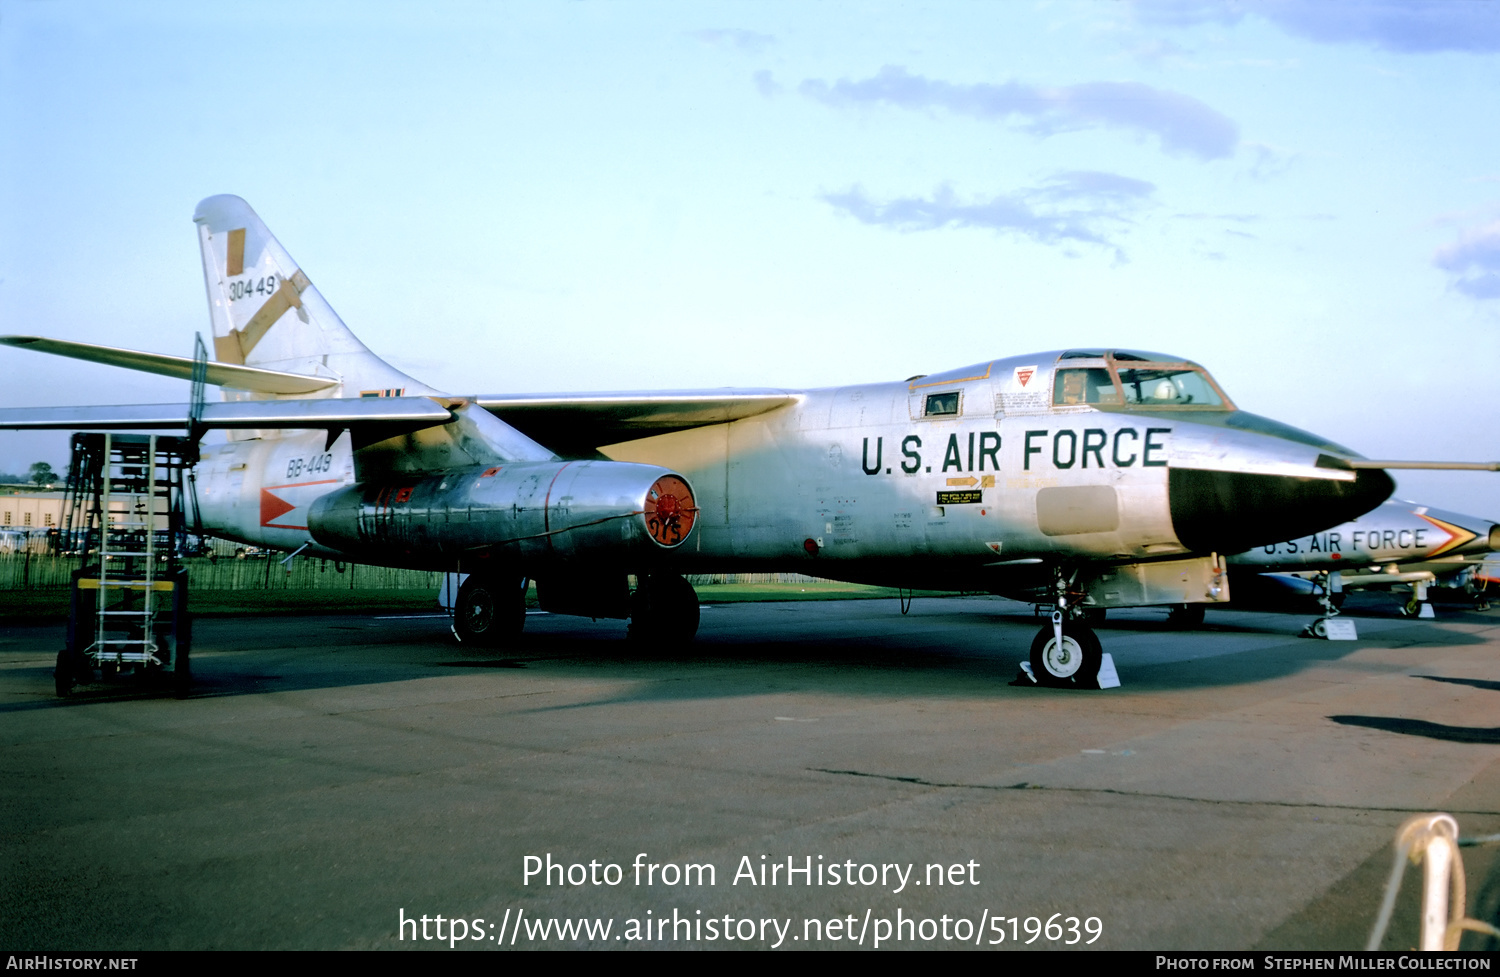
266 313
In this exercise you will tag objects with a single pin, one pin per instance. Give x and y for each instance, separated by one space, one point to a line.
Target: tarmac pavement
334 775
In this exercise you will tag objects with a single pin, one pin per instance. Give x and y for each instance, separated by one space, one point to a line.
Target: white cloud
1474 261
1075 206
1406 26
1181 122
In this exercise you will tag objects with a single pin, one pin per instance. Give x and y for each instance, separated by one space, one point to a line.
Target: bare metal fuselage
860 483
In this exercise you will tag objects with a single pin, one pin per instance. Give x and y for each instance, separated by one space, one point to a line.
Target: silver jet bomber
1082 479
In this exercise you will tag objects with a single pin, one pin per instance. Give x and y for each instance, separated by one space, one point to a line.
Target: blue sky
583 196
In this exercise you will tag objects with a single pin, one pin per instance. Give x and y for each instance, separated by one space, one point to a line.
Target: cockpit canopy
1130 379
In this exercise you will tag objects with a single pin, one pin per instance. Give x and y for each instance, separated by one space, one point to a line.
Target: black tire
664 608
1076 667
62 676
1186 616
490 611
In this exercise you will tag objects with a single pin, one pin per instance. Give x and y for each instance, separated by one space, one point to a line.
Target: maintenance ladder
125 517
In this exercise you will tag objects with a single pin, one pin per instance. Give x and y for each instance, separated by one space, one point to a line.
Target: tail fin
267 314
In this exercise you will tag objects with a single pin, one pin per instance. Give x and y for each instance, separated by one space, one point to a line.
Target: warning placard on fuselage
964 497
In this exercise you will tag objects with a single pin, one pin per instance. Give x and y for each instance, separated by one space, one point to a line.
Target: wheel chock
1108 677
1331 629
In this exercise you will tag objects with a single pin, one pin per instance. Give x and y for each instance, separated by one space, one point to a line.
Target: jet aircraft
1397 544
1080 478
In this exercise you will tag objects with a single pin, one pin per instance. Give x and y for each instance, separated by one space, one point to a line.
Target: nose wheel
1067 657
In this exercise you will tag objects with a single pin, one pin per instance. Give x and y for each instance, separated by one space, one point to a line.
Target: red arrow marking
272 507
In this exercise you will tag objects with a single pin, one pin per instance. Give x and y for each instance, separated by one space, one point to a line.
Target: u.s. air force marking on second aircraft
1396 546
1081 478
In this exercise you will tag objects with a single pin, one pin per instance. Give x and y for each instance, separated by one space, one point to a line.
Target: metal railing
1432 841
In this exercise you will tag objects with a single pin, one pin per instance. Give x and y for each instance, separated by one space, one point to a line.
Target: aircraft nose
1230 512
1255 487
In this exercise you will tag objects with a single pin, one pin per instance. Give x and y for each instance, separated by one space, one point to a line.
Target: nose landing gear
1066 653
1331 596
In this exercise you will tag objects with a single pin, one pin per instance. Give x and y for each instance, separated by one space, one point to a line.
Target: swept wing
580 422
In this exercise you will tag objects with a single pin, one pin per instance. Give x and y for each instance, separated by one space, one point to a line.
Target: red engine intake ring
670 511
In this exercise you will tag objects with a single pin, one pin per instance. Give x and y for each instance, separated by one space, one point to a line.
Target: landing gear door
1200 580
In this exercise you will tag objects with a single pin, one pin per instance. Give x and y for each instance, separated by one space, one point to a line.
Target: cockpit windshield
1130 380
1169 387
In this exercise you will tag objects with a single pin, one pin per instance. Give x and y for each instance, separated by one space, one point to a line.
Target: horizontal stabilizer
181 367
589 420
407 412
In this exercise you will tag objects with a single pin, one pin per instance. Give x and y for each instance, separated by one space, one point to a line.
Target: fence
709 579
42 571
33 571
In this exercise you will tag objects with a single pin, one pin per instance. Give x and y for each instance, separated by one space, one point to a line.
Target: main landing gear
490 610
663 609
1186 617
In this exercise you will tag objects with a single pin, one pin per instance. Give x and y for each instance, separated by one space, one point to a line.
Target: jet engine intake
528 513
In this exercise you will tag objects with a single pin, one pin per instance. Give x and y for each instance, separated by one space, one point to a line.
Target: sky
521 197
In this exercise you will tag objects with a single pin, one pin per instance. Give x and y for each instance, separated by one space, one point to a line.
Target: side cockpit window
939 405
1088 385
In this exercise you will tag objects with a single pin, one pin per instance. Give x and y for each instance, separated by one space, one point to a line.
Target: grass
17 606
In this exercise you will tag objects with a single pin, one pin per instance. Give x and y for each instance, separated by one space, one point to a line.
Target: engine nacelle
530 513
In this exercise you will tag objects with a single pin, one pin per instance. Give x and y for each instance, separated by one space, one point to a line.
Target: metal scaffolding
125 518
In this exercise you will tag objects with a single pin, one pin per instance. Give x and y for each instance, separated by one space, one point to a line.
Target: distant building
41 511
31 510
